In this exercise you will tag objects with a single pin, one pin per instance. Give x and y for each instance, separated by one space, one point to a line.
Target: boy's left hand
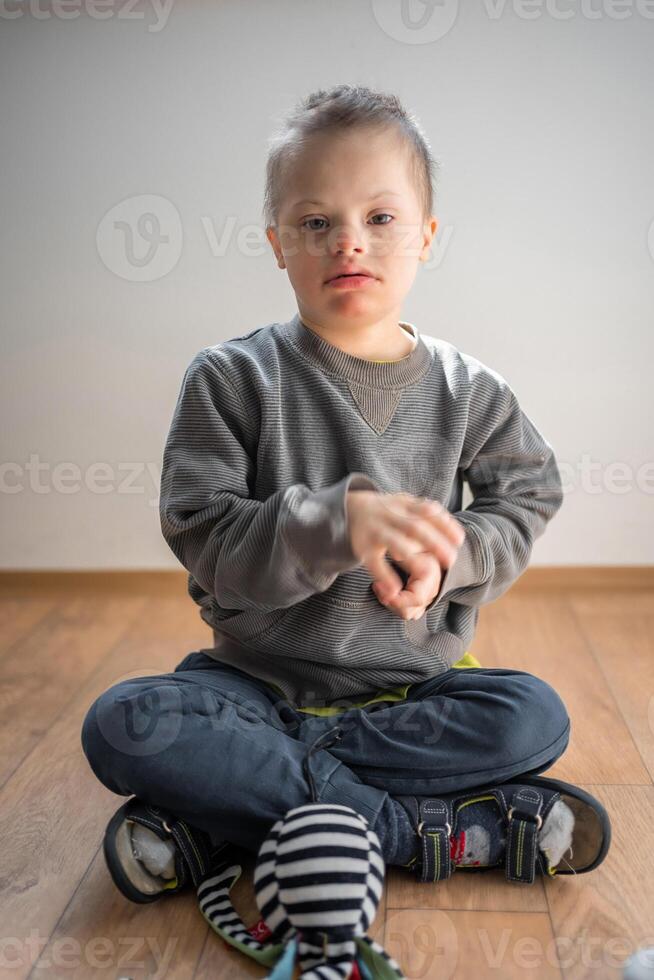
425 575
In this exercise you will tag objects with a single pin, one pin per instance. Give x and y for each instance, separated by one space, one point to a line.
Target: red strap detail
260 931
457 847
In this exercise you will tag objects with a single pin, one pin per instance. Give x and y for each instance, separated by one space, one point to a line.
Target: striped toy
318 880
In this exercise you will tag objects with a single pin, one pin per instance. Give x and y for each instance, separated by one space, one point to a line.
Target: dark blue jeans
224 751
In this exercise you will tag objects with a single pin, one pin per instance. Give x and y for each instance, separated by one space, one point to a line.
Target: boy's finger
385 595
384 578
407 612
443 519
404 601
416 612
417 591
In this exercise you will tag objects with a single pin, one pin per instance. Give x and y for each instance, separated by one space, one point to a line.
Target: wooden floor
62 645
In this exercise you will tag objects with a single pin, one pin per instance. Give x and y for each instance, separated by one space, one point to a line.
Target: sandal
524 804
194 854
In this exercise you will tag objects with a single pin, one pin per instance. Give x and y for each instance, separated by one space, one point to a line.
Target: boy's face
328 220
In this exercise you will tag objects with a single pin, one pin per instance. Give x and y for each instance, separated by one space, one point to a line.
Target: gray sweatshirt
270 431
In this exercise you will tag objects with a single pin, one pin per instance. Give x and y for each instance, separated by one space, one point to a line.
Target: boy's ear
429 231
271 235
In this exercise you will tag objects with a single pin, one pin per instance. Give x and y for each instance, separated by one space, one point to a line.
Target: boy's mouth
358 274
351 281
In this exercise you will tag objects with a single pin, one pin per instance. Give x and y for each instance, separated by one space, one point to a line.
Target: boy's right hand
402 525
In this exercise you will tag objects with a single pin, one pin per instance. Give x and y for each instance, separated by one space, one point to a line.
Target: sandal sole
570 794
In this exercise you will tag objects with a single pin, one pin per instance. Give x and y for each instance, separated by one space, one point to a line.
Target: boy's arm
249 554
516 486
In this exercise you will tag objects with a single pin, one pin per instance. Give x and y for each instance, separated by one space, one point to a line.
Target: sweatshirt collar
391 374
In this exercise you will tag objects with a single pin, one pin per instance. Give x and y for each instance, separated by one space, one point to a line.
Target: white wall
542 122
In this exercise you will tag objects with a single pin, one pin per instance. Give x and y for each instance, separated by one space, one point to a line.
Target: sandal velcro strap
524 804
434 829
524 820
194 856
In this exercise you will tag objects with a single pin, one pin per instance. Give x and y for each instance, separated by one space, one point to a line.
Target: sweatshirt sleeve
516 486
248 554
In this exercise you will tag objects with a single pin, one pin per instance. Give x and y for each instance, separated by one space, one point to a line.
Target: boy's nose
346 238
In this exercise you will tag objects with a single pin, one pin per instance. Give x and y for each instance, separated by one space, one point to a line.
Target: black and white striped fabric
318 880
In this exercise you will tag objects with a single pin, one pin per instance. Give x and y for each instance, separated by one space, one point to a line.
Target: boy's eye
306 221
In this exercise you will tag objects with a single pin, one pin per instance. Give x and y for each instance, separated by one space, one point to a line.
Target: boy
300 455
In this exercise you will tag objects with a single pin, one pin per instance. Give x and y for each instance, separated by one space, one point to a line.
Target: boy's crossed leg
221 751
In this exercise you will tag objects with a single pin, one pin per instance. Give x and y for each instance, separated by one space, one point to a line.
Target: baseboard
155 582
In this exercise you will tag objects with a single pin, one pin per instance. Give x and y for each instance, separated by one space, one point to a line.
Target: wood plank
542 636
458 945
465 891
102 934
53 810
18 617
620 632
42 672
605 915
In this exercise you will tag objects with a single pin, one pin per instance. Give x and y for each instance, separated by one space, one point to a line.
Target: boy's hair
344 107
